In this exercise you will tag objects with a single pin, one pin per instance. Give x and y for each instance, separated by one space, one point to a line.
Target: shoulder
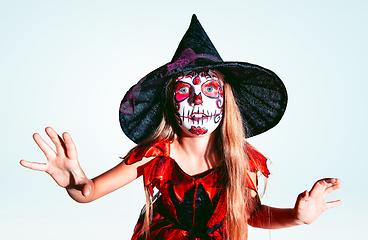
257 161
148 152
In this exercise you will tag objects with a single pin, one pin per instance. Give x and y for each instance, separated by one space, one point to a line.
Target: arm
308 207
64 168
274 218
113 179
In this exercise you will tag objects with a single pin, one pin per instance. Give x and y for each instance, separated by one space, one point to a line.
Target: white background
67 64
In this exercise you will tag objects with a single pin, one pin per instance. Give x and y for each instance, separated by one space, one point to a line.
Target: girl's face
198 100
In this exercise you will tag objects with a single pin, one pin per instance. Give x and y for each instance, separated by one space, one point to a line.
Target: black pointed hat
261 95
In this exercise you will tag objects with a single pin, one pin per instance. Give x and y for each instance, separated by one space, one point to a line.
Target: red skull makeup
198 99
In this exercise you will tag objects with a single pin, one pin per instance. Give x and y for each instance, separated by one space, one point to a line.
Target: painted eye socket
181 91
211 88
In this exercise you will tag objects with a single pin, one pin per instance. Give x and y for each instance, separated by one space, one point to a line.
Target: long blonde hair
231 144
236 161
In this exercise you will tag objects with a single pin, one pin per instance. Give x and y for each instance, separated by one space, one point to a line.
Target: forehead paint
196 80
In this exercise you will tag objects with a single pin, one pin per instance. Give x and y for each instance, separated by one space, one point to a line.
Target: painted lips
198 116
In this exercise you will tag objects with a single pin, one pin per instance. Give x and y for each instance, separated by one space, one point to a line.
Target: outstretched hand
310 205
62 165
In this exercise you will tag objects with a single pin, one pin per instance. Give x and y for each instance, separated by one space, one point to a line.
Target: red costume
187 207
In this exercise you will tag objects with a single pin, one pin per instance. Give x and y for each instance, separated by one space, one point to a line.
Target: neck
197 150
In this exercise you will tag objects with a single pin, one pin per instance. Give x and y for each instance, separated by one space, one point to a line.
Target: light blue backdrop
67 64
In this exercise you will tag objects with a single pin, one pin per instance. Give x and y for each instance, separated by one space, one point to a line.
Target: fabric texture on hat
261 96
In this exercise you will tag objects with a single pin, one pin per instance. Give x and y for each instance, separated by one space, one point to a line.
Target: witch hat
261 96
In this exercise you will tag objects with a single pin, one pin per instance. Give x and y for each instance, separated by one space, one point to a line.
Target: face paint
198 99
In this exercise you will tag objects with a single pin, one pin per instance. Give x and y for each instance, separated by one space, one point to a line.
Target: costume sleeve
257 162
157 149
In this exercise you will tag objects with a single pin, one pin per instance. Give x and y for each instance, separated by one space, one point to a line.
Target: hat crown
196 39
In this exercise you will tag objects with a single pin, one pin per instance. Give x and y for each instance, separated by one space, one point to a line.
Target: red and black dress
187 206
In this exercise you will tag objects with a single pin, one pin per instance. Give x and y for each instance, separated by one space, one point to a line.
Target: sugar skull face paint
198 100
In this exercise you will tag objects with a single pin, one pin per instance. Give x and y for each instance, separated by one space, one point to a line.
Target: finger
71 150
331 185
333 204
45 148
318 188
81 184
302 197
57 140
86 190
330 189
33 165
331 180
323 186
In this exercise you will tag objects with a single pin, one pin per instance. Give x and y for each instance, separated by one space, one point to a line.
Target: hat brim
260 94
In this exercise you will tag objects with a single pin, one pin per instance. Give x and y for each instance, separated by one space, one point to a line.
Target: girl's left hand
310 205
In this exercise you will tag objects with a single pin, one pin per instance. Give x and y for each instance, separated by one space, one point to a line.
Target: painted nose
197 99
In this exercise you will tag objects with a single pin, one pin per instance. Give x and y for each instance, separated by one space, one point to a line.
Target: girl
190 119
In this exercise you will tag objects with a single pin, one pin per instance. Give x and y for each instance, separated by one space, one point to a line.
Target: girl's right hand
62 165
